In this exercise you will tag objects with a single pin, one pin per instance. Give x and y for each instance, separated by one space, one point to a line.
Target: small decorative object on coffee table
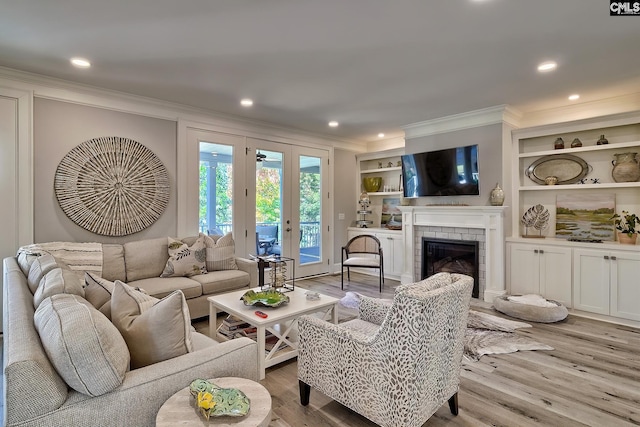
559 144
271 298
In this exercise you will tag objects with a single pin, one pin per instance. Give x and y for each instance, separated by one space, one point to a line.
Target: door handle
288 229
613 258
541 251
606 257
535 251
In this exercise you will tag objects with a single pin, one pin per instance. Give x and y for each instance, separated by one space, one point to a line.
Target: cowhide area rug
489 334
486 333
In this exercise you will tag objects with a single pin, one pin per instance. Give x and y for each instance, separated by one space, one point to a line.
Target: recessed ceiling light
246 102
574 97
381 135
547 66
80 63
333 124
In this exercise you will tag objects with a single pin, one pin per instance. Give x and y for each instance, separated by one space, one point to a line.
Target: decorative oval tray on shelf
567 168
269 298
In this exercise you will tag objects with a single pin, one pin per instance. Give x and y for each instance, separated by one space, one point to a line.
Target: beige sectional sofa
66 364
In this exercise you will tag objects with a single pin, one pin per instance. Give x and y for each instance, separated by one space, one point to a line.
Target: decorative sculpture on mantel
112 186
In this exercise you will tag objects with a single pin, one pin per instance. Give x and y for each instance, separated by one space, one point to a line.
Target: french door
290 214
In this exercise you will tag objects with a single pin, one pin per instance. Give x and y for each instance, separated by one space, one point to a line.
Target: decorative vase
602 140
372 184
576 143
496 198
551 180
624 238
559 144
625 167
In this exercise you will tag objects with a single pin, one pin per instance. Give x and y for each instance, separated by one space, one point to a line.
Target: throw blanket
80 257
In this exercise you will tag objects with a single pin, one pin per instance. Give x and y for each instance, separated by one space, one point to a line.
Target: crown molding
584 110
64 90
472 119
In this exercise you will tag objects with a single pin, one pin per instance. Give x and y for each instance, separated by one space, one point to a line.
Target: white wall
60 126
345 197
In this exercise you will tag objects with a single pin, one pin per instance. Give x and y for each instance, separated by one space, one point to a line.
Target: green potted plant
626 226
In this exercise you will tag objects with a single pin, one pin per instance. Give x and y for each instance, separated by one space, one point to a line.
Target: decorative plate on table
269 298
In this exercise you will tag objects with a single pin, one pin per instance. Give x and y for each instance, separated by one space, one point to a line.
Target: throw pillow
40 266
185 260
84 347
98 292
155 330
57 281
221 253
25 259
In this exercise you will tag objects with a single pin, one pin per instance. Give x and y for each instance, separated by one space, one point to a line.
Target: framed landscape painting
585 216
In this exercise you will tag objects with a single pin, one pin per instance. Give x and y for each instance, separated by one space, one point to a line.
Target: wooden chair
362 251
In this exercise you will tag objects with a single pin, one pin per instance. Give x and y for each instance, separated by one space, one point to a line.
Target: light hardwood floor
592 378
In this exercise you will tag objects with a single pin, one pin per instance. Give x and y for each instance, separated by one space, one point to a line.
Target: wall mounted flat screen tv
449 172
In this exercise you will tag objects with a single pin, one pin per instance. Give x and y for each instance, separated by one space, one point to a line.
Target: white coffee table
281 321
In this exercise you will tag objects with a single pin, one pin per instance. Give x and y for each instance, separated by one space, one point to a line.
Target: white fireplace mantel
488 218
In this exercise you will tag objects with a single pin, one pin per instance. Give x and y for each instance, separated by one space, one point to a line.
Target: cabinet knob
541 251
613 258
535 251
606 257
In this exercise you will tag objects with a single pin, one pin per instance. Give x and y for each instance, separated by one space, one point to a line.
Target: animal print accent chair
397 363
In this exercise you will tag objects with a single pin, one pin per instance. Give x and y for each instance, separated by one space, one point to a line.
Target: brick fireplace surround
484 224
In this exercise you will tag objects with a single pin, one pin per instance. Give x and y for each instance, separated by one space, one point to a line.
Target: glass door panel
216 188
310 212
269 188
290 213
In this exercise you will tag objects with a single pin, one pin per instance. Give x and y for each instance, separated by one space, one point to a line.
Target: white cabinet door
625 285
591 280
392 249
555 273
524 269
540 269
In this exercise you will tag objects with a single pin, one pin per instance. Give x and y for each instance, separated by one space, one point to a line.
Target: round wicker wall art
112 186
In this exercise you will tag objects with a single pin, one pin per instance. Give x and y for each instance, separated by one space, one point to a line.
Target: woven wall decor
112 186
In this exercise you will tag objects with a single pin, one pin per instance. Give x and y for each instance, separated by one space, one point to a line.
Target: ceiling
372 65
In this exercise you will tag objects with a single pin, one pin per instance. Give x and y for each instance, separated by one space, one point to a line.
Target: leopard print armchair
397 363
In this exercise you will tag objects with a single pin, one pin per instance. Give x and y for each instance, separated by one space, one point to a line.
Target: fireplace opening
452 256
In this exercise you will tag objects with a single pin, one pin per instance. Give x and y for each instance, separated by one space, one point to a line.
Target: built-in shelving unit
594 279
384 164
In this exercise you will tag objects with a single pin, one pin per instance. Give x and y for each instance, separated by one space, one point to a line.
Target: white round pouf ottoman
533 308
